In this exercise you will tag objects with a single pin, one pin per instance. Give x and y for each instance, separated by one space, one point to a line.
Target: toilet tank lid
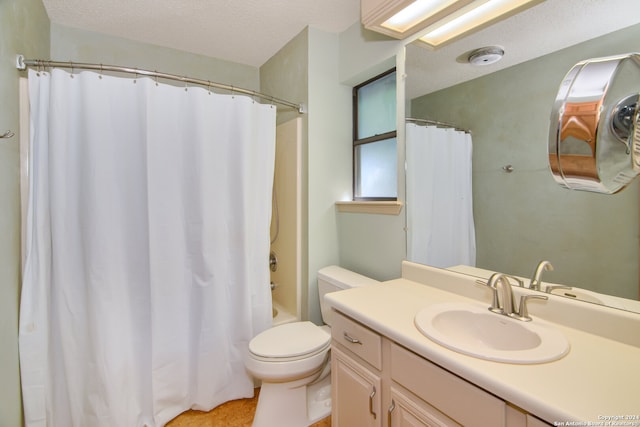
344 278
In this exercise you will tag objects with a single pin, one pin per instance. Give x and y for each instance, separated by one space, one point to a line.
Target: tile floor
237 413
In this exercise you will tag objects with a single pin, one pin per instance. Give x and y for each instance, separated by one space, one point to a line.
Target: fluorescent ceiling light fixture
472 17
415 13
402 18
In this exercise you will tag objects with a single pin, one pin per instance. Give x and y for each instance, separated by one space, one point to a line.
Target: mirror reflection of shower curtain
440 226
146 249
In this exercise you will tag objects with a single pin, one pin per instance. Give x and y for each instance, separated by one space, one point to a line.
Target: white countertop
598 378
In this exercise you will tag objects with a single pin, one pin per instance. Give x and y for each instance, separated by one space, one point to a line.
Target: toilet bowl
293 362
288 352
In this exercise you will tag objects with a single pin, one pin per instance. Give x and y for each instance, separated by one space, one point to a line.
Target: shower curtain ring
232 95
156 77
101 71
71 63
135 77
186 84
209 87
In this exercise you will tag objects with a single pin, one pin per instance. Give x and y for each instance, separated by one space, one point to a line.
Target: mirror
521 215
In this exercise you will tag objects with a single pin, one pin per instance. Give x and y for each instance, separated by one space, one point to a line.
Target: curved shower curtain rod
22 64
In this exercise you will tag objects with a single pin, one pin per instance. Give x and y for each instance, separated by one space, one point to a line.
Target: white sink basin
579 294
473 330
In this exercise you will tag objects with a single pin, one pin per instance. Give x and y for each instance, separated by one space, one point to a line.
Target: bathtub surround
282 316
286 219
147 221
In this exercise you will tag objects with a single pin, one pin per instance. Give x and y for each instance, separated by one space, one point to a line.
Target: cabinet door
409 411
451 395
355 393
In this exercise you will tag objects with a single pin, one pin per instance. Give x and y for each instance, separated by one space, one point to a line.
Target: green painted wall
524 216
307 70
372 244
24 29
329 166
320 69
70 44
286 75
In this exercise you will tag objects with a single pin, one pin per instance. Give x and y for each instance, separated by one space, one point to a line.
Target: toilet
293 361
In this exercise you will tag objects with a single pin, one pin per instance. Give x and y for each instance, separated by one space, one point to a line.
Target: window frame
375 138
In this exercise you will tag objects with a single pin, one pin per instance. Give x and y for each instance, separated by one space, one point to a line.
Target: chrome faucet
536 283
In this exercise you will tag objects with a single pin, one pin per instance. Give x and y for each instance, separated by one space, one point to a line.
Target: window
375 170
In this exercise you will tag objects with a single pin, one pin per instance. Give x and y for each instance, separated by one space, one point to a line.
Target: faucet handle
523 312
495 302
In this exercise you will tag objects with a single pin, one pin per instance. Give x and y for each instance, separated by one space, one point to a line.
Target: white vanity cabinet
356 402
406 410
376 382
355 374
453 396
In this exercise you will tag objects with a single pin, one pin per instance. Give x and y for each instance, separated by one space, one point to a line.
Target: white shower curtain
147 244
440 227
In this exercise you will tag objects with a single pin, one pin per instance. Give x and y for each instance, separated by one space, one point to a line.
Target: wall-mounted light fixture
440 21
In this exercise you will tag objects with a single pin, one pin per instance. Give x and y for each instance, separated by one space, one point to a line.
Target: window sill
371 207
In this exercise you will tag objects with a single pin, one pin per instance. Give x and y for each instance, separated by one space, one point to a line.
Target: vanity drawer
450 394
359 339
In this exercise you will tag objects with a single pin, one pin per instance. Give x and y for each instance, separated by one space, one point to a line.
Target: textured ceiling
244 31
252 31
545 28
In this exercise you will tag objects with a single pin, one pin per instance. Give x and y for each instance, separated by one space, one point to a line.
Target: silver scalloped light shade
594 136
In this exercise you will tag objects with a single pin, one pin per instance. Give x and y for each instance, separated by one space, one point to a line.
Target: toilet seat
289 342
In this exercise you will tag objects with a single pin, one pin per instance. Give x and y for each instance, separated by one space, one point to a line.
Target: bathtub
282 316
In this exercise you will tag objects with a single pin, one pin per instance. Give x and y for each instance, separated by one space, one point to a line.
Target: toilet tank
334 278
